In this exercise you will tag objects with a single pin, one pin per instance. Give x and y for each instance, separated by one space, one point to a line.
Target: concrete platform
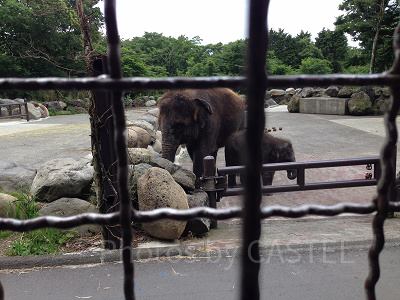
326 106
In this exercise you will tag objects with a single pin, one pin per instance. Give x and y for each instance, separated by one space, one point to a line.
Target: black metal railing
217 181
10 107
255 83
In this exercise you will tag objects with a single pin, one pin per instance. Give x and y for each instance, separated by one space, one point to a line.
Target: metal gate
255 83
10 108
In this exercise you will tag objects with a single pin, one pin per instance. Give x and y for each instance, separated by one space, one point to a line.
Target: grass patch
36 242
39 242
25 206
5 234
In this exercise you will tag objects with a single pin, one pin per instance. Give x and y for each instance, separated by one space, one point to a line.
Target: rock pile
35 110
64 185
362 101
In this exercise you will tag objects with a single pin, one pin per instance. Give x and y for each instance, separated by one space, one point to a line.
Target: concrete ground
314 137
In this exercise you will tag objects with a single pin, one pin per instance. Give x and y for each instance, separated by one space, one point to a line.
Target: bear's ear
202 110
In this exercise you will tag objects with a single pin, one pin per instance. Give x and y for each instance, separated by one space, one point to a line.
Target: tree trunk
89 59
87 43
382 7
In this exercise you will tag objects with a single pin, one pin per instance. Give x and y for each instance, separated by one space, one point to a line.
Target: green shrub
52 111
315 66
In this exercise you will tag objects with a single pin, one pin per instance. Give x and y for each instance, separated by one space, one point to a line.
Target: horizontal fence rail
105 83
301 167
9 106
188 214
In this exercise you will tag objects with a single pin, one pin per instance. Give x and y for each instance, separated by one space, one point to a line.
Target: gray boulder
138 102
57 105
156 146
138 171
294 104
163 163
277 92
151 103
67 207
382 92
270 102
198 226
146 126
14 177
7 101
34 112
359 104
345 92
306 92
185 178
290 91
138 155
4 111
137 137
77 103
7 206
62 177
332 91
267 95
380 106
150 119
157 189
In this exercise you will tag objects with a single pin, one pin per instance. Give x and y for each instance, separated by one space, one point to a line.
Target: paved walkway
314 137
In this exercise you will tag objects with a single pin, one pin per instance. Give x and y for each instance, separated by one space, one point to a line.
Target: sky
222 21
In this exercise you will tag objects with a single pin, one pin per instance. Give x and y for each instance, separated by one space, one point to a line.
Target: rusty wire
118 110
387 181
256 86
105 83
184 215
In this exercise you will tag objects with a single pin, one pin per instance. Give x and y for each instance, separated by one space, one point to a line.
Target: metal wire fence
255 83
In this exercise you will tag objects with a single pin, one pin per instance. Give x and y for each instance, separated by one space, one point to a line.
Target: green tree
43 38
285 47
166 56
334 48
230 60
276 67
292 50
372 23
315 66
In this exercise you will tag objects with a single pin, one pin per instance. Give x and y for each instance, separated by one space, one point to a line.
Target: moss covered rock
294 104
360 104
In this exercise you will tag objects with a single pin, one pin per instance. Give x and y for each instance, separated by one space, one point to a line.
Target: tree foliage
168 56
372 24
312 65
333 45
42 38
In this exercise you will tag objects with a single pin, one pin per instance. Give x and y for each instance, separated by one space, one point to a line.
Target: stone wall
332 100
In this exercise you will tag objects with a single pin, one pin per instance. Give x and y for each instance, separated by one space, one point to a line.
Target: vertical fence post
394 187
105 128
26 110
209 185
